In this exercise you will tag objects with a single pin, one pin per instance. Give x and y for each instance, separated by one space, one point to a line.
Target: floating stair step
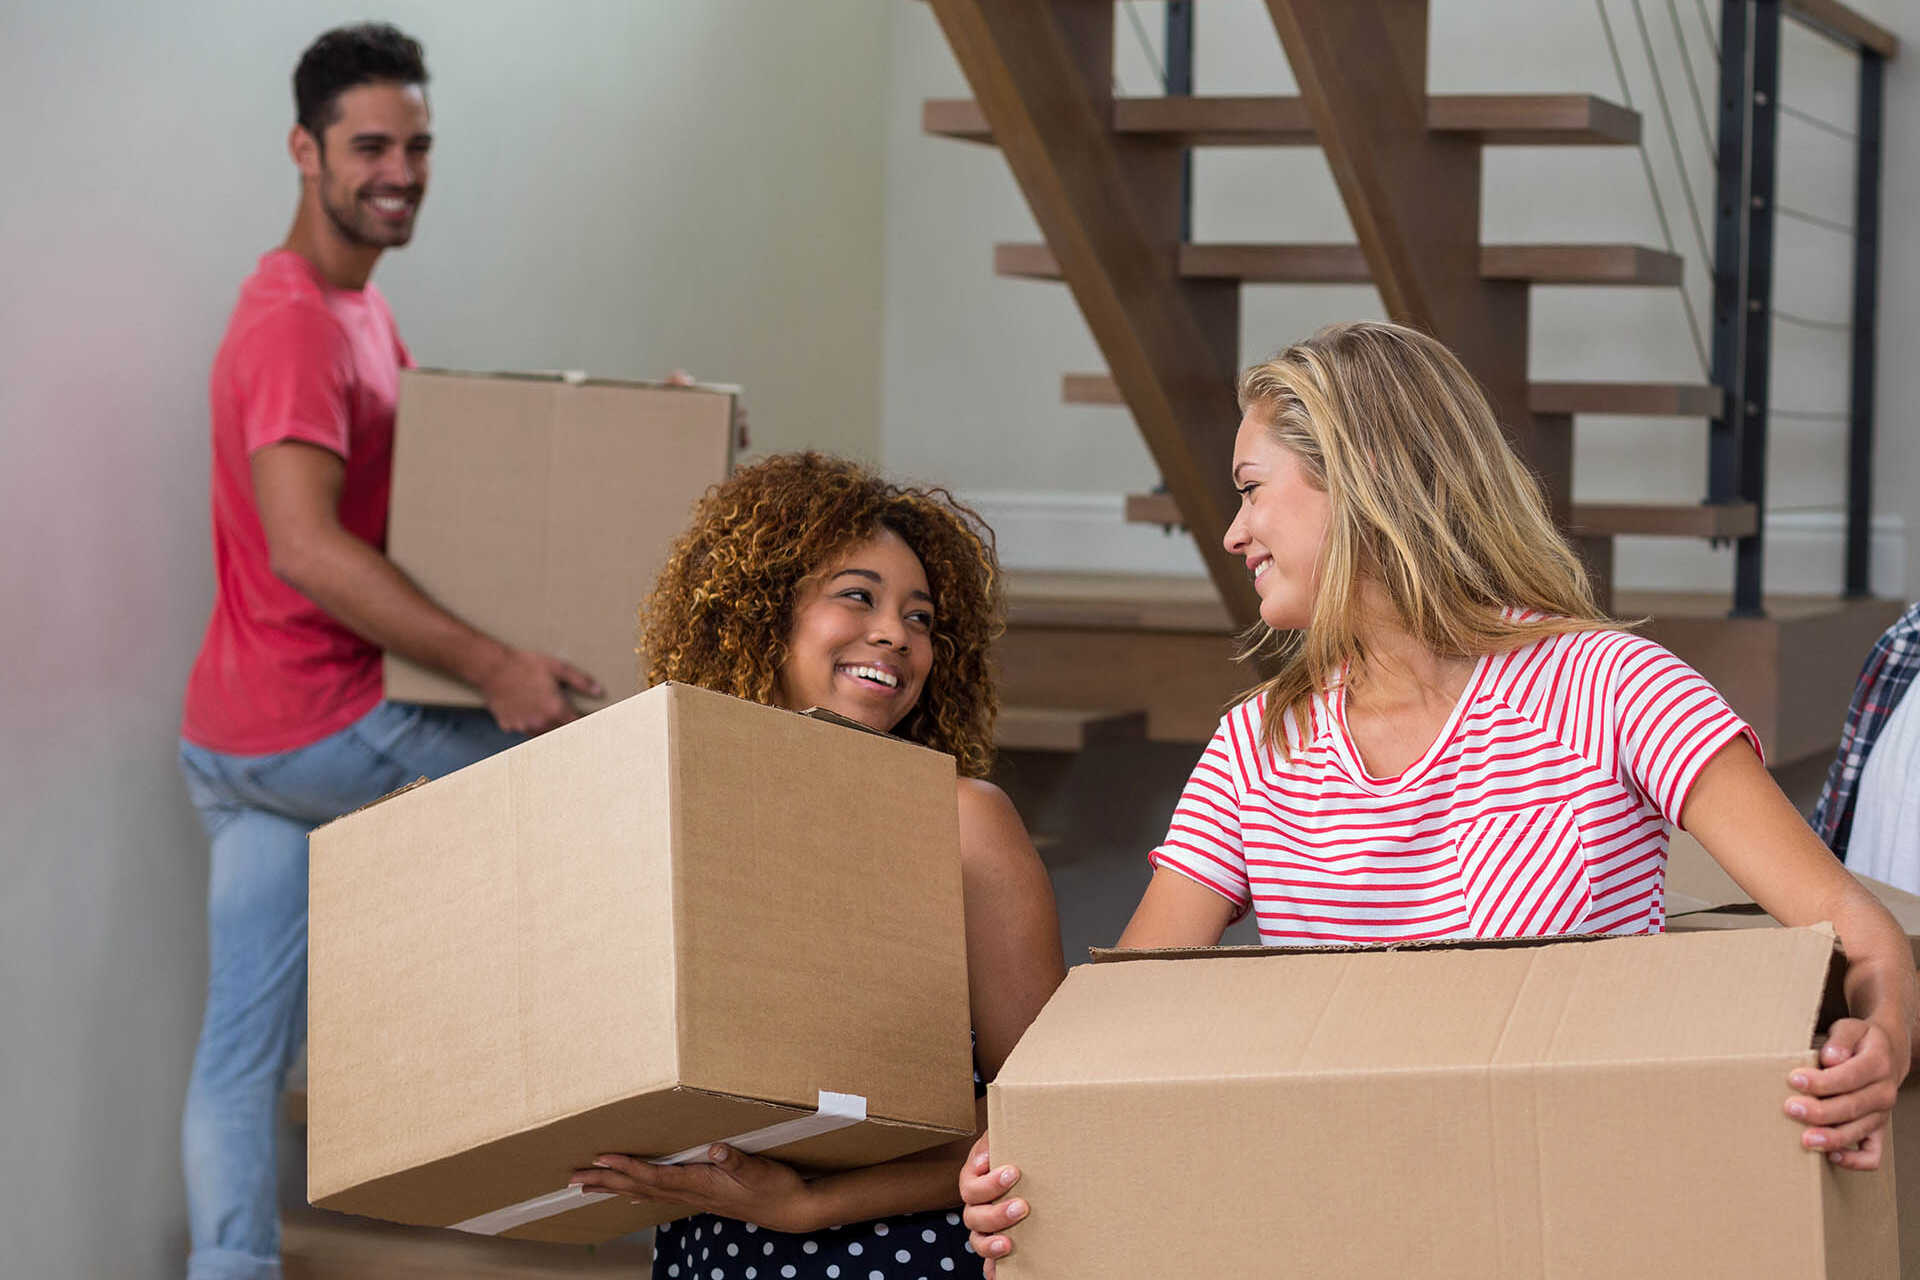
1153 508
1065 728
1090 388
1629 399
1635 399
1518 119
1593 519
1845 25
1612 264
1695 520
1580 264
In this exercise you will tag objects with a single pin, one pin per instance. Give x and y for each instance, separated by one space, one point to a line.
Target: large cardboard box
1598 1108
1700 896
540 508
683 919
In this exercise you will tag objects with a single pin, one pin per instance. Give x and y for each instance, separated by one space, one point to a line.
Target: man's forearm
367 593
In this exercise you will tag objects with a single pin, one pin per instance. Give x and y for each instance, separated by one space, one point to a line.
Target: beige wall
619 187
973 363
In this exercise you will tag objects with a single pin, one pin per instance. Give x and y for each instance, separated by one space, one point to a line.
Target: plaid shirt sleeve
1889 669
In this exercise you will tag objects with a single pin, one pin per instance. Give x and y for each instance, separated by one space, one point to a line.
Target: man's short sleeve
293 373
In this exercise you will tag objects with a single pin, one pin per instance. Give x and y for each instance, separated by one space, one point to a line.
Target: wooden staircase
1101 174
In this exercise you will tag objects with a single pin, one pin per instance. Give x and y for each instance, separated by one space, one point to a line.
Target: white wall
619 187
973 362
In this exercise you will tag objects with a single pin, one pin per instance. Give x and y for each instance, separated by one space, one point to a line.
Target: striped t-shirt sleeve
1668 723
1203 842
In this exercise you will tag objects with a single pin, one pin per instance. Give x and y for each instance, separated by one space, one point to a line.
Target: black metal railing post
1729 241
1179 82
1866 303
1756 362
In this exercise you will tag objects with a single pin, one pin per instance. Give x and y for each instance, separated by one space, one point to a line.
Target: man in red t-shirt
284 726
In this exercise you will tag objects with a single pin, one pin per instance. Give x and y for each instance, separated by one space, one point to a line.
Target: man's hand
527 692
297 487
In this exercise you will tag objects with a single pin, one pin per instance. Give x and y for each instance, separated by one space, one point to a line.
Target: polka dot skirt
913 1246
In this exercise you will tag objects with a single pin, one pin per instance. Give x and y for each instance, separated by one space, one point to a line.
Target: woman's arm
1175 911
1740 815
1013 965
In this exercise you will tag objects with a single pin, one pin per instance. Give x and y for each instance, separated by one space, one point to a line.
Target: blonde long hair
1427 500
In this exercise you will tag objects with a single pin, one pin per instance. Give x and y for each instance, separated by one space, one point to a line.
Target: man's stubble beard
344 222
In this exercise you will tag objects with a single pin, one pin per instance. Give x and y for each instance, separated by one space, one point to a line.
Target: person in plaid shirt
1889 669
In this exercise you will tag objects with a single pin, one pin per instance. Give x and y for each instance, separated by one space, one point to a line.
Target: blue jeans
257 811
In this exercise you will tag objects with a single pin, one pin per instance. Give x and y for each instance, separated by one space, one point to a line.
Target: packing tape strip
835 1111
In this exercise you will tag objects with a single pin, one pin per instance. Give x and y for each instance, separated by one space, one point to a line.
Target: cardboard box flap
582 378
1119 955
1689 997
1695 882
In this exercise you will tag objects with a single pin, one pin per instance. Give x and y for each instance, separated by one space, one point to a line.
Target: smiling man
284 725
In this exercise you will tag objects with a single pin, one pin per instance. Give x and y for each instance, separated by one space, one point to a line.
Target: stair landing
1165 644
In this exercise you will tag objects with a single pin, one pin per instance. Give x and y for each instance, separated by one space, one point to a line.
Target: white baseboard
1088 533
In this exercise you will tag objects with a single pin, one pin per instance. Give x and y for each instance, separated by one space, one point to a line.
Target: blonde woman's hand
1845 1101
983 1189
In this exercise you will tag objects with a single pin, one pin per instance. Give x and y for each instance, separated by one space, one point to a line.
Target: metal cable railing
1745 149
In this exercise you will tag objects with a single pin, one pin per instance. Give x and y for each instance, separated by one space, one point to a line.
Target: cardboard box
680 920
1596 1108
540 509
1700 896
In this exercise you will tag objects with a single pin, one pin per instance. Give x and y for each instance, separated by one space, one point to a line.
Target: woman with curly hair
808 581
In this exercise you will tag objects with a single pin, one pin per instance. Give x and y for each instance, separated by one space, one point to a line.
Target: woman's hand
1846 1099
736 1185
1760 839
986 1214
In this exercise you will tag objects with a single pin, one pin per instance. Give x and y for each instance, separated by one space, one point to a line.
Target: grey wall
618 187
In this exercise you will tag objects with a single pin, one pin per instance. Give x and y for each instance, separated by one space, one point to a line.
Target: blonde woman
1455 741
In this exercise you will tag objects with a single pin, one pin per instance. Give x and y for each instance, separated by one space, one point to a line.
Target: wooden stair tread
1519 119
1065 728
323 1246
1631 399
1845 24
1680 520
1575 264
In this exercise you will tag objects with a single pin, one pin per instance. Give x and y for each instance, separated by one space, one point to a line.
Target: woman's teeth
874 674
1260 570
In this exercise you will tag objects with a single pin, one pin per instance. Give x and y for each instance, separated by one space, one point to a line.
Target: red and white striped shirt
1542 807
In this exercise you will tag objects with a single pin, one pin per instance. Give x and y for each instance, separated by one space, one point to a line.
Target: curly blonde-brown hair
722 610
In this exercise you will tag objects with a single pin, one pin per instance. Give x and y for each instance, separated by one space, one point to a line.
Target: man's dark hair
366 53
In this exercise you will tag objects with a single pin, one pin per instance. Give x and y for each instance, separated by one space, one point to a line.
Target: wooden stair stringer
1413 197
1110 212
